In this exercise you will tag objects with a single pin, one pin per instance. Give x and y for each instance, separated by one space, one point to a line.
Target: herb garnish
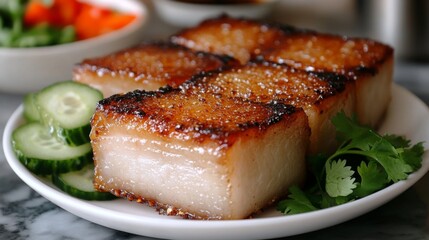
364 163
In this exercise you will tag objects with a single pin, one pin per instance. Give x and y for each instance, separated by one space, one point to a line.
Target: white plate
407 115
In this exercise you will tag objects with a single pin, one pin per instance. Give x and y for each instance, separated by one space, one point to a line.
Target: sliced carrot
89 20
96 11
36 13
65 12
85 25
116 21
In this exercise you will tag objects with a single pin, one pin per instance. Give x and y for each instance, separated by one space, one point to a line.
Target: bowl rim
140 10
177 3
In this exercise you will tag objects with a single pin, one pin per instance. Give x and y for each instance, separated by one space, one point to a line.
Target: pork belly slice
201 156
148 66
368 62
321 95
238 38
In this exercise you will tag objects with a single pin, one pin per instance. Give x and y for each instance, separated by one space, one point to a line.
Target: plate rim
274 226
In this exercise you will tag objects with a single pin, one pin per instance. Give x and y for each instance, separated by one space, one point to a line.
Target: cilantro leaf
366 142
296 203
351 134
413 155
397 141
395 167
364 163
373 178
339 181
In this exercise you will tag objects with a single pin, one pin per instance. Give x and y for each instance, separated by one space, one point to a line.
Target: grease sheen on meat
238 38
367 62
320 95
148 66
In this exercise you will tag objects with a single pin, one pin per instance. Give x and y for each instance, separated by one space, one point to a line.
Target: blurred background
402 24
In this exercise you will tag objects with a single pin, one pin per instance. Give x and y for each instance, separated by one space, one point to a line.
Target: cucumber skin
74 136
47 167
31 113
91 196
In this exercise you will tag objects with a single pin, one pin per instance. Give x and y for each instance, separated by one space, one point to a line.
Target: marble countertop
24 214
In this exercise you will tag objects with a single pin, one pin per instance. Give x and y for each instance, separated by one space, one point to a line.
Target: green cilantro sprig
364 163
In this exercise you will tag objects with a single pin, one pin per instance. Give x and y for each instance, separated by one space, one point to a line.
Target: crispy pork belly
203 155
321 95
238 38
148 66
227 137
368 62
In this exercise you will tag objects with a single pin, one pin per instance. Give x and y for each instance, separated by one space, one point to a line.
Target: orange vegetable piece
93 21
87 24
65 12
116 21
89 20
36 13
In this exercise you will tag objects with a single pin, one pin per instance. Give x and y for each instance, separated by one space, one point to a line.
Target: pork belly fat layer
373 94
148 67
224 171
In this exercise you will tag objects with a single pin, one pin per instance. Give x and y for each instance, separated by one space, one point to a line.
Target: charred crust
337 82
166 89
198 79
363 70
279 111
166 117
126 103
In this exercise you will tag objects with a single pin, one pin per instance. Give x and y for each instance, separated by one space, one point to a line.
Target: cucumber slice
80 184
44 154
31 114
67 108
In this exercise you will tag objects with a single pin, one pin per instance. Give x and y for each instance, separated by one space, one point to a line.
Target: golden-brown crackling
321 95
268 82
185 115
166 64
238 38
328 53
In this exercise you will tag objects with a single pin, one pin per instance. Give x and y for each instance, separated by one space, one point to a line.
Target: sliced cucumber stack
31 114
55 140
44 154
67 108
80 184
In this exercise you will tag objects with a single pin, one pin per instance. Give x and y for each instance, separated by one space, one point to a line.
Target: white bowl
25 70
188 14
